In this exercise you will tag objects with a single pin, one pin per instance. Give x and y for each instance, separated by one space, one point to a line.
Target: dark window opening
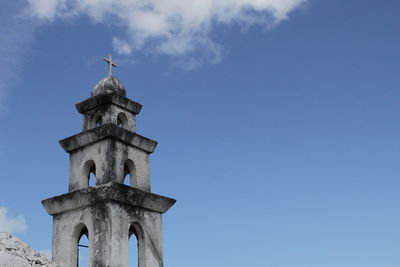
89 173
133 248
127 179
129 173
98 122
83 248
119 123
92 179
122 121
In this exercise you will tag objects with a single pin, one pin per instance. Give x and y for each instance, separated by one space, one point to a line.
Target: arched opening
83 248
130 173
98 122
137 253
92 179
89 173
133 246
122 120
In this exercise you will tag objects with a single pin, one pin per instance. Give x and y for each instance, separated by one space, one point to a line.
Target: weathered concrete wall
108 225
109 84
109 157
66 230
108 192
108 114
148 228
109 212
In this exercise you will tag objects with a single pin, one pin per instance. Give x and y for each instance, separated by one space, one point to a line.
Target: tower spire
119 202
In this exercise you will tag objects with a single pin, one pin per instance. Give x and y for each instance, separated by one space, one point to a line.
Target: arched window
122 120
80 249
130 173
96 120
133 244
89 173
92 178
83 248
137 253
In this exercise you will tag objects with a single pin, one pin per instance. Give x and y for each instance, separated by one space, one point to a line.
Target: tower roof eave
112 191
110 98
106 131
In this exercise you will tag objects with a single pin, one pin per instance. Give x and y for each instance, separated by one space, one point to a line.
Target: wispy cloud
171 27
11 224
16 38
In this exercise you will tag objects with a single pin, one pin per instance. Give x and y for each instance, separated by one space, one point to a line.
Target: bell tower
108 149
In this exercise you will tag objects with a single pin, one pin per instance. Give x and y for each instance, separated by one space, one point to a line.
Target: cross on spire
110 64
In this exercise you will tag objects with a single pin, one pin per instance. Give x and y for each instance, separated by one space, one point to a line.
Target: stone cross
110 64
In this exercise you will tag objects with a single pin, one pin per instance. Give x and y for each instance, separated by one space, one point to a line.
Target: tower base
109 214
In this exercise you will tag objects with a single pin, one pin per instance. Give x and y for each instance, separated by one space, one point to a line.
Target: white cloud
45 9
121 46
11 224
171 27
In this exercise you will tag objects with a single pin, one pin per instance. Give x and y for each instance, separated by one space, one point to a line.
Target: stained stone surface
109 85
110 192
108 150
15 253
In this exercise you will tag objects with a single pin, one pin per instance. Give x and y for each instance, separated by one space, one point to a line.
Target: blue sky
279 138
